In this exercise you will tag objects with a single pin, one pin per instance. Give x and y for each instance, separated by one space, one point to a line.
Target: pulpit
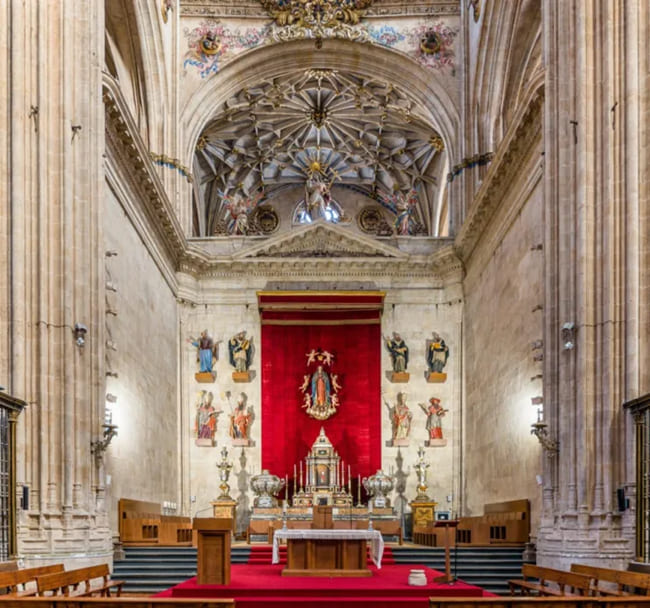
449 526
213 550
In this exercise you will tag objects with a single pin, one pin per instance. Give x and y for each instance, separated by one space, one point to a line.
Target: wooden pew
619 579
79 582
121 602
17 582
549 581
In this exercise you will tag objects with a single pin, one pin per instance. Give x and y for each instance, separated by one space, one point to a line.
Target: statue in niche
400 417
399 355
437 356
205 422
240 351
241 417
208 353
434 412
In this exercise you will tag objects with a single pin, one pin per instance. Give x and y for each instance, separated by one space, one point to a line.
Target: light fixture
109 430
80 331
540 430
568 335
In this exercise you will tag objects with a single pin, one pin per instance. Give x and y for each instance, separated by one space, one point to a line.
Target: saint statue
399 352
205 422
208 351
239 348
320 388
434 412
240 420
437 354
400 417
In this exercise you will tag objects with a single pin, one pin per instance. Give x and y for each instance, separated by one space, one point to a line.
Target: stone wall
142 349
502 320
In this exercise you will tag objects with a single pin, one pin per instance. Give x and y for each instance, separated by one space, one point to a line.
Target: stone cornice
525 129
378 9
439 269
125 146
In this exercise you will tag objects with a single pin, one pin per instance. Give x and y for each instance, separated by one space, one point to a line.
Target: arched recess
135 57
433 101
510 56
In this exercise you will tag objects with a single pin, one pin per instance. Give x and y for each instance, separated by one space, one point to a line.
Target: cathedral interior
415 233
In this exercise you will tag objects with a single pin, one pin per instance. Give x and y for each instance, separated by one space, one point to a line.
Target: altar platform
255 586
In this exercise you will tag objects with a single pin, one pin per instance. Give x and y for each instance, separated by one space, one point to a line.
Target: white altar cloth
374 536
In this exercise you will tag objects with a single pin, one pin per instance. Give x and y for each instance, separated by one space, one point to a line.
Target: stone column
592 248
54 142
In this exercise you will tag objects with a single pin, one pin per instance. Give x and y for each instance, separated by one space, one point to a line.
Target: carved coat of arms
320 387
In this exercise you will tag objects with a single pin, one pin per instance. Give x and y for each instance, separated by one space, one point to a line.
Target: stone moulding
254 9
126 147
525 129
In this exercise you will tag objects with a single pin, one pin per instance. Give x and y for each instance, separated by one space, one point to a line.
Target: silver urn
377 486
266 486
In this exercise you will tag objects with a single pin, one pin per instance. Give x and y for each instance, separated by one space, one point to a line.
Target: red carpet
262 585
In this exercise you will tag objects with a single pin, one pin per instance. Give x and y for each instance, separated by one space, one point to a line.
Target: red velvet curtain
354 337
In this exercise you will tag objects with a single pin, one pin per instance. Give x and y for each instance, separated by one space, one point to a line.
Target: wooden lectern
213 550
449 526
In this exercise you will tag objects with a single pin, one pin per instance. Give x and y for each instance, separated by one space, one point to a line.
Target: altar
328 552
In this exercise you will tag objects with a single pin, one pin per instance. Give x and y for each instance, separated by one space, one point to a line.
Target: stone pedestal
241 376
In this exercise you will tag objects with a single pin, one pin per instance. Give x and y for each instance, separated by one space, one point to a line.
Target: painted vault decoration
320 387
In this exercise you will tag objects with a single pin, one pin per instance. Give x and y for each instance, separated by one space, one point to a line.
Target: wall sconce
568 335
80 331
109 430
98 446
540 430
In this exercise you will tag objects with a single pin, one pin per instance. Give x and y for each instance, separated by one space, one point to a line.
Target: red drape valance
347 325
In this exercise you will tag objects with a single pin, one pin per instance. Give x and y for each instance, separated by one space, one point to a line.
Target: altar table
328 552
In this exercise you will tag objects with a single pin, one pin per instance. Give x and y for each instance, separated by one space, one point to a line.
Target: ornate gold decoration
437 142
317 13
202 142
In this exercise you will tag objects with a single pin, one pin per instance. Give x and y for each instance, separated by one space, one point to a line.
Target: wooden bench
623 582
79 582
549 581
21 583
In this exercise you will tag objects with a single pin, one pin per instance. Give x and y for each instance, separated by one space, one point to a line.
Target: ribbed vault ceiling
357 132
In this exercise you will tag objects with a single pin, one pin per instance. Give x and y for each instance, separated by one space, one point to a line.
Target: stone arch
424 86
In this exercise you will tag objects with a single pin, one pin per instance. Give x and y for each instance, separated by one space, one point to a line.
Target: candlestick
300 486
349 482
286 490
359 491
